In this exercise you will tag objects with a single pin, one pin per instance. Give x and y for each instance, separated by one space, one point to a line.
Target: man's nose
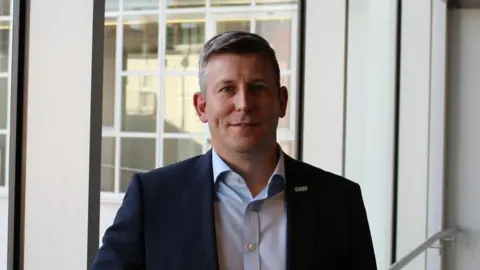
243 99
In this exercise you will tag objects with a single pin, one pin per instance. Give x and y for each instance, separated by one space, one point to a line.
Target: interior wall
370 114
463 143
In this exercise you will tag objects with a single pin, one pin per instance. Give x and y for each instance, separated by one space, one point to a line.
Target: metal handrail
443 235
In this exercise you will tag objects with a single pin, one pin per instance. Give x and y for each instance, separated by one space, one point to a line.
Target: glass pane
4 7
109 67
139 108
111 5
230 2
108 164
285 121
278 33
240 25
140 5
266 2
184 39
179 113
4 46
185 3
175 150
3 157
137 156
3 102
289 148
140 43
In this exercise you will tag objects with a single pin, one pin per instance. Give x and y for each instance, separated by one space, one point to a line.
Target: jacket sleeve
123 244
361 247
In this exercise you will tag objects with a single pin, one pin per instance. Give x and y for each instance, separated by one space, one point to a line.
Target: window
150 75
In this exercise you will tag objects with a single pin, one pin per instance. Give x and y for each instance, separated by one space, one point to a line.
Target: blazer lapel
199 222
302 222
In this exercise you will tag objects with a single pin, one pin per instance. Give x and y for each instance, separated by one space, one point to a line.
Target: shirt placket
251 239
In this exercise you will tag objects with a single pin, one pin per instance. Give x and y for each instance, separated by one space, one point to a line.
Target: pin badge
301 189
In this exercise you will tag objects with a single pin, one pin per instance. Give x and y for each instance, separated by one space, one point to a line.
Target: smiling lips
245 124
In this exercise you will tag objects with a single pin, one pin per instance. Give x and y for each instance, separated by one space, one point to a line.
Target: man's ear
200 103
283 96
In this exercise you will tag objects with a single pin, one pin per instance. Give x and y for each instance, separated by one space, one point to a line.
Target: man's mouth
245 124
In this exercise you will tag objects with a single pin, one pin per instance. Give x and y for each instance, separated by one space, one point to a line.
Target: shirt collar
219 166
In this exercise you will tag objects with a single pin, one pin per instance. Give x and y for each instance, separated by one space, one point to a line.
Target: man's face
241 102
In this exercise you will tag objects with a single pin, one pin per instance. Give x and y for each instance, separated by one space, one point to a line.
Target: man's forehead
232 63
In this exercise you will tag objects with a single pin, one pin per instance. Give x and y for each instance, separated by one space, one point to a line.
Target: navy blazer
166 221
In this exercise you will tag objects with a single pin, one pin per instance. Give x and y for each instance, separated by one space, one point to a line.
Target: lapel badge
301 189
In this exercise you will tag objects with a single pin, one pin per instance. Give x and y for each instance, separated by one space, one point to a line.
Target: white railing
443 236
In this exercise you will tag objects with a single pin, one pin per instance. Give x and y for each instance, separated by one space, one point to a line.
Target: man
244 204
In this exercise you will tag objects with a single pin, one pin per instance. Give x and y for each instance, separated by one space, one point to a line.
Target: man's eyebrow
257 80
228 81
224 82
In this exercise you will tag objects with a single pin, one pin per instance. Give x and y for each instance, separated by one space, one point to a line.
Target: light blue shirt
250 232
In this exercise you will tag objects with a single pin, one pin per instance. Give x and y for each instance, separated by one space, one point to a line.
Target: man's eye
226 89
258 87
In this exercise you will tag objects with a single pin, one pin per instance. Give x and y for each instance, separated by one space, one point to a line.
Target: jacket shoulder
172 176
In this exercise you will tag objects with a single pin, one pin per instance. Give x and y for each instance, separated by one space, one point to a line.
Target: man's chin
246 146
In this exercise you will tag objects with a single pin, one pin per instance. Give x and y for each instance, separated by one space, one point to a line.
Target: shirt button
251 247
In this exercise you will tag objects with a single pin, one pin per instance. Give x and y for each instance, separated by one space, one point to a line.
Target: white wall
413 141
463 139
62 153
349 110
3 231
370 114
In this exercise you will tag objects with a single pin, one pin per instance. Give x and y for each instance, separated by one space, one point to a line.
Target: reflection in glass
4 46
109 67
137 155
185 3
230 2
140 43
3 103
266 2
278 34
184 40
108 164
139 108
140 5
240 25
175 150
179 113
111 5
3 156
289 148
285 121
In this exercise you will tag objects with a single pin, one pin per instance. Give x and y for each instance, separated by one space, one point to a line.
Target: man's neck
255 168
